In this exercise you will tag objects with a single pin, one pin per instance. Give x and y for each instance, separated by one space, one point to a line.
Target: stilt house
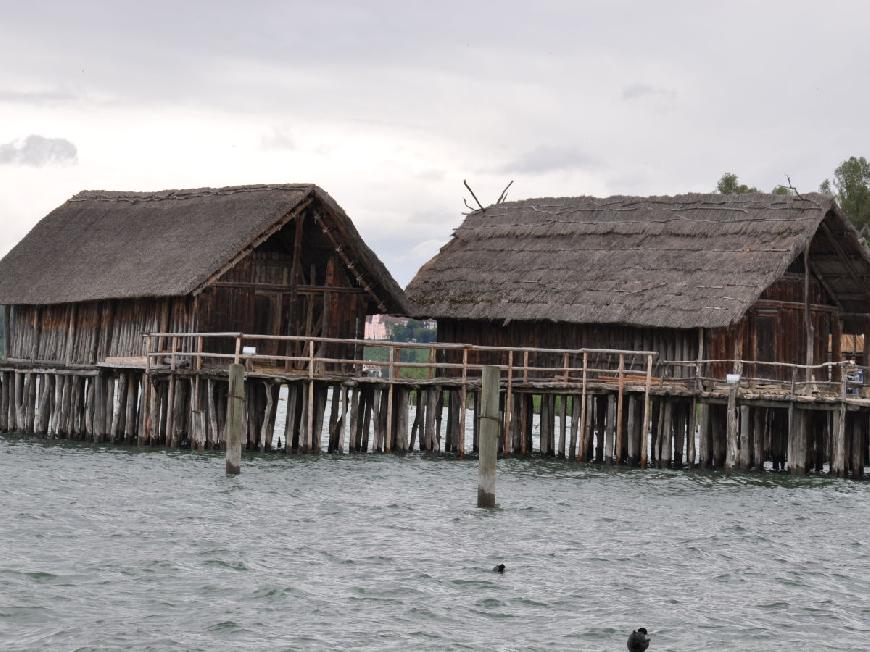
104 268
720 277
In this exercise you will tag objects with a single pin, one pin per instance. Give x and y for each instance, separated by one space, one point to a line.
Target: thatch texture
122 245
673 262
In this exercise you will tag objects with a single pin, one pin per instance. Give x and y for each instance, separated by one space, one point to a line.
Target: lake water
110 548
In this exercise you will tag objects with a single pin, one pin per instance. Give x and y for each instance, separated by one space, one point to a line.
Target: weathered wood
619 444
267 427
663 459
235 419
402 421
4 401
732 431
858 445
563 424
19 402
212 434
838 457
430 435
681 419
89 408
27 398
705 449
342 422
610 443
132 397
291 441
758 427
691 431
632 431
334 417
489 432
353 444
576 428
65 425
152 434
744 457
797 462
44 410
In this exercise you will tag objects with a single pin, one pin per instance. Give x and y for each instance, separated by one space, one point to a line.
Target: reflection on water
111 548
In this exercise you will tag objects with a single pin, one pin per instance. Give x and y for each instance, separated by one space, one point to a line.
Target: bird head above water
499 569
638 640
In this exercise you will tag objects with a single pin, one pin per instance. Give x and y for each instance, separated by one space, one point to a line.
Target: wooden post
267 428
838 457
663 457
644 426
609 445
508 407
463 399
733 430
388 444
691 428
704 448
235 419
631 430
797 462
619 452
489 426
563 424
311 436
584 414
744 456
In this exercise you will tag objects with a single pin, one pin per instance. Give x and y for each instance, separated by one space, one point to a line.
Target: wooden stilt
838 459
733 431
576 444
759 415
745 435
665 436
563 424
132 397
290 432
705 451
610 442
632 431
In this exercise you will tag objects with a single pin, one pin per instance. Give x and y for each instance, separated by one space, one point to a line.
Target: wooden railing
576 370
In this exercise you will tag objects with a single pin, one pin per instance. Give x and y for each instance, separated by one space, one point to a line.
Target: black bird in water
638 641
499 569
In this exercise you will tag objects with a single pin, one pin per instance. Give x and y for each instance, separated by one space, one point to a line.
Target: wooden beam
256 242
351 267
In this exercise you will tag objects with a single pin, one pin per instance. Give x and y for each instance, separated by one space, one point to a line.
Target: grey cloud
549 158
639 90
38 151
36 98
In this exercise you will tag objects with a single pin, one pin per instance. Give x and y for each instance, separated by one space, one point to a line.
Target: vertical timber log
732 431
489 432
235 419
744 455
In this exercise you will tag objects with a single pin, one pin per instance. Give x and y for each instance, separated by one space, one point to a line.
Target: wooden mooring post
489 427
235 419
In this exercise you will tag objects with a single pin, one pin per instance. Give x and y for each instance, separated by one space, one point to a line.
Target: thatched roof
674 262
120 245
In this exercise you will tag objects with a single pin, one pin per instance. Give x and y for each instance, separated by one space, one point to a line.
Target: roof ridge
184 193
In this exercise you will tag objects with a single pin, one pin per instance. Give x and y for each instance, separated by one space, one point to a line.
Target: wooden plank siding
267 292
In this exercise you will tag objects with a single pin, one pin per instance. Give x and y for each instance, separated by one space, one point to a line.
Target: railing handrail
389 343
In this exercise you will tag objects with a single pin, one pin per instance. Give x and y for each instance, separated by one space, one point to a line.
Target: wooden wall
773 330
87 333
294 283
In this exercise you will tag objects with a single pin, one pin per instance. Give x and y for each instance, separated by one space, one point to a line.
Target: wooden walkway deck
606 405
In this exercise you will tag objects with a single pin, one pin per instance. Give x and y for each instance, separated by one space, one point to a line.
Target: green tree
852 189
729 184
781 190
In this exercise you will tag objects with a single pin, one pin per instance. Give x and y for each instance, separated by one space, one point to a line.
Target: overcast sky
390 105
